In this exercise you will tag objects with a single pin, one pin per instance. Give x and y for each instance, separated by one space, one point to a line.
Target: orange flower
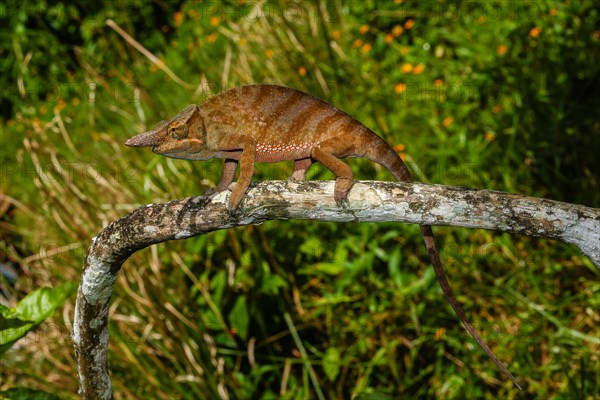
363 29
366 47
400 88
439 334
357 43
497 108
535 32
269 53
388 38
553 12
177 18
212 37
418 69
447 121
214 21
336 35
438 82
302 71
59 106
502 49
397 30
406 68
490 136
409 23
399 147
403 156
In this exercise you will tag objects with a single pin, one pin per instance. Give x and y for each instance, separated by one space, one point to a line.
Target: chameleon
270 123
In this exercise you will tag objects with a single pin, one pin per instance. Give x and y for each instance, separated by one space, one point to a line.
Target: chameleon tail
381 153
443 281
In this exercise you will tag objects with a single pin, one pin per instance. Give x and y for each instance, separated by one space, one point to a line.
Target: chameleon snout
150 138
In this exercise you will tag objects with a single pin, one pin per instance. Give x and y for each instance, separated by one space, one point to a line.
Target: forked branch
277 200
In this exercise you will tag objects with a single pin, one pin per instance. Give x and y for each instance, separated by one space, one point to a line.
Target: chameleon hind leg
329 153
300 168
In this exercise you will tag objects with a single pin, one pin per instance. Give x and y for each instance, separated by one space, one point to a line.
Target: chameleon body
268 123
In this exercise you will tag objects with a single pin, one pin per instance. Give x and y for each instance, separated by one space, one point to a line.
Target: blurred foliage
499 95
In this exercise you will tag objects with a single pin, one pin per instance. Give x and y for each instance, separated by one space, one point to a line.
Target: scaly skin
268 123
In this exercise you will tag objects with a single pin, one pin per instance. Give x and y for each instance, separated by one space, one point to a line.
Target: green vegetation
499 95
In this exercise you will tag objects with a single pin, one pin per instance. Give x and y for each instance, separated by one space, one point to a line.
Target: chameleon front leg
327 153
229 168
246 171
300 168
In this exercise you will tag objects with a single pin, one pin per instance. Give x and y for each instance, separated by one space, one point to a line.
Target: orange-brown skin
268 123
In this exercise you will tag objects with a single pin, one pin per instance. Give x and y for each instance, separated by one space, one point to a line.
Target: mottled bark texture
276 200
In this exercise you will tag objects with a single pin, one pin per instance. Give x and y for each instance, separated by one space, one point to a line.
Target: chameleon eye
178 131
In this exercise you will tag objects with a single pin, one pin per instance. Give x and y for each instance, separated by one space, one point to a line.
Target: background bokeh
503 95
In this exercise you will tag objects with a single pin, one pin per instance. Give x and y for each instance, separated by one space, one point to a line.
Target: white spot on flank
277 148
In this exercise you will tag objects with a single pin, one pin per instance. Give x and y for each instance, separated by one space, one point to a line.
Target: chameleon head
181 137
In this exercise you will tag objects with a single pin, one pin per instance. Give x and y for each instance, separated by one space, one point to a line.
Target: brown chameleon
268 123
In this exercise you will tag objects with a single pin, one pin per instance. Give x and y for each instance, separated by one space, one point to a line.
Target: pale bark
277 200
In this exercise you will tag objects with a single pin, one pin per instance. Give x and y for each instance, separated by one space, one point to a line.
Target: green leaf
331 363
372 396
35 308
323 268
238 317
27 394
272 283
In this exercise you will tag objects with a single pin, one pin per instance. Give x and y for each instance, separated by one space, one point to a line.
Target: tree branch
277 200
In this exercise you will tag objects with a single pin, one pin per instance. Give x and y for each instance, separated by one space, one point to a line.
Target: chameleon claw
343 203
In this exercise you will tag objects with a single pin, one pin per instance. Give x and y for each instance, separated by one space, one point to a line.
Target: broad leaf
36 307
